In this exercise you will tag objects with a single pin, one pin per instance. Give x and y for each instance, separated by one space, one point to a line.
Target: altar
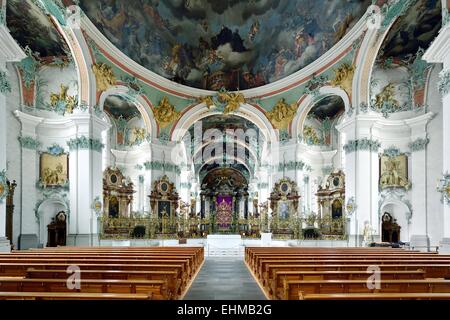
224 240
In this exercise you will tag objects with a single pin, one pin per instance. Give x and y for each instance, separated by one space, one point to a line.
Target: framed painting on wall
394 171
54 169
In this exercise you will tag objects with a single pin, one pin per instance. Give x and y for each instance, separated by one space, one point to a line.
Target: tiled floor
224 279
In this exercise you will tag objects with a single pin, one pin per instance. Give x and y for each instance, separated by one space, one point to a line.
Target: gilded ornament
343 77
282 114
232 101
61 98
104 76
208 101
387 97
165 113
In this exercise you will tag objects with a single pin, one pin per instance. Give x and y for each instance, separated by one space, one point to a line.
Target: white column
361 176
29 229
9 52
438 53
86 179
419 163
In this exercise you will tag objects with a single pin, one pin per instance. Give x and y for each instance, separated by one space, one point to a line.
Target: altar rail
182 228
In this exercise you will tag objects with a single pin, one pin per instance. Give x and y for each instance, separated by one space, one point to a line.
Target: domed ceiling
236 44
416 29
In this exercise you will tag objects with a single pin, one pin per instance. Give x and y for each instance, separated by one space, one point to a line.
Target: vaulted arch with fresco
226 102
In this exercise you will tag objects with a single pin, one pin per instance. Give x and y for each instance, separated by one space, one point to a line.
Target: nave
173 273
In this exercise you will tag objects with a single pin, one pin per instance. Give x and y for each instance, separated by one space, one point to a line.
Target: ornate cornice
83 143
418 144
362 144
28 142
162 166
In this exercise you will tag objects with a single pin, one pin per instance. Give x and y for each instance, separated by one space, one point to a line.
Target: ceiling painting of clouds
236 44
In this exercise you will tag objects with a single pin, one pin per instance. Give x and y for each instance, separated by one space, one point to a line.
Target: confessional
390 230
57 230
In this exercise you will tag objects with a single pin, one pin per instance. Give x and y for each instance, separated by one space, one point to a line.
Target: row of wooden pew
99 273
292 273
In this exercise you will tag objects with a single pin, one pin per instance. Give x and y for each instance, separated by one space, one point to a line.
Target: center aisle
224 279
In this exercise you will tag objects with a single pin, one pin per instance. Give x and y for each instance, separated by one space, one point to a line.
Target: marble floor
224 278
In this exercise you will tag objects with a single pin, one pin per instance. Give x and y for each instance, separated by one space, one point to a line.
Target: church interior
294 146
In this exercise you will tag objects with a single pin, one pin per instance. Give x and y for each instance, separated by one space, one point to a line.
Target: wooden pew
71 296
157 288
276 285
377 296
375 262
292 288
170 277
186 268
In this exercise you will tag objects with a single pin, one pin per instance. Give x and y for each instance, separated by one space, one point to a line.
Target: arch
400 211
239 142
246 111
143 105
46 210
233 158
308 102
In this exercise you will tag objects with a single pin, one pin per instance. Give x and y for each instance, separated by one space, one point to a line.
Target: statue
165 113
282 114
232 100
104 76
387 96
343 77
367 233
62 97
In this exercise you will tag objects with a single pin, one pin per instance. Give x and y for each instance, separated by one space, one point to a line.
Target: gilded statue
282 114
165 113
343 77
232 101
104 76
62 97
387 96
310 136
138 135
208 101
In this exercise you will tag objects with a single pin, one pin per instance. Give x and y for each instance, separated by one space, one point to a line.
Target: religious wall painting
203 50
394 171
411 31
54 169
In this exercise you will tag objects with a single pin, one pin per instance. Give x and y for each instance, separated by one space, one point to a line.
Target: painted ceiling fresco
328 107
416 29
31 27
236 44
117 106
